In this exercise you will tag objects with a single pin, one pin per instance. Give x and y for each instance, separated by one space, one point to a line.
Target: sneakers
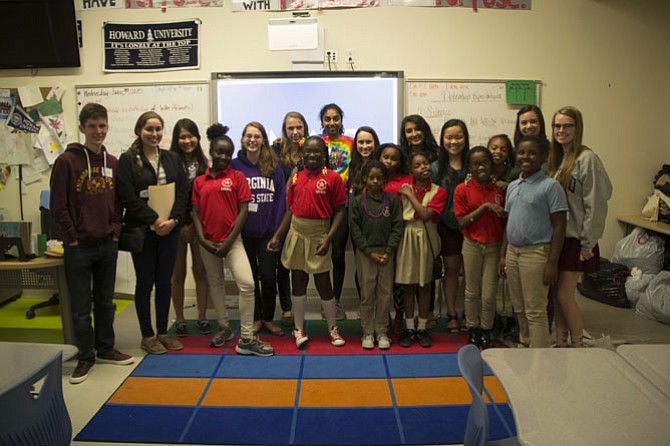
153 346
180 329
254 347
335 337
115 357
473 338
340 314
424 338
169 342
81 371
222 337
205 327
300 337
383 342
368 342
407 338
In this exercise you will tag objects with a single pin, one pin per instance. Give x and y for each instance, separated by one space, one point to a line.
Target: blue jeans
153 266
90 270
264 268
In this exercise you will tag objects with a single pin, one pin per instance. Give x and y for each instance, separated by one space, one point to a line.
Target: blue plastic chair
471 365
27 418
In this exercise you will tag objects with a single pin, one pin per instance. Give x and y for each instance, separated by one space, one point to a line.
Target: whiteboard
126 102
481 104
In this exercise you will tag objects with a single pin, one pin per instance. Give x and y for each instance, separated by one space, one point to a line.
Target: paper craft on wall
50 145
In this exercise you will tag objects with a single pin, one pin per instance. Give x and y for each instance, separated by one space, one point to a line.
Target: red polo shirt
218 197
436 204
315 194
468 196
394 184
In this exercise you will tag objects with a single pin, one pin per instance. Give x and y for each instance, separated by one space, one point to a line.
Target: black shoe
407 338
485 339
424 338
474 336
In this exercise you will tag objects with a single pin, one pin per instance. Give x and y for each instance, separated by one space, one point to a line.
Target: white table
652 361
588 396
18 359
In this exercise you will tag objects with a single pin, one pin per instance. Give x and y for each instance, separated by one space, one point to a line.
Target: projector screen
374 99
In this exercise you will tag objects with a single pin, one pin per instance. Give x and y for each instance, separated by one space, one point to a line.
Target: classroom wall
609 58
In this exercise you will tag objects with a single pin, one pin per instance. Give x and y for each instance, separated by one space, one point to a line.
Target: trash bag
640 248
655 302
636 285
607 285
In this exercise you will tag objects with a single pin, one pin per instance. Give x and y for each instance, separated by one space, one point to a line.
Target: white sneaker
300 337
368 342
383 341
335 337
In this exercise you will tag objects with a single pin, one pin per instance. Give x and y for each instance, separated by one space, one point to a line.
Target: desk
21 358
652 361
586 396
41 273
640 221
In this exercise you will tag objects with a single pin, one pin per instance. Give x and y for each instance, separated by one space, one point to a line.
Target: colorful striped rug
321 395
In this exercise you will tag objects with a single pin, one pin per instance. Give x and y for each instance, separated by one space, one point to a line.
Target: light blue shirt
529 205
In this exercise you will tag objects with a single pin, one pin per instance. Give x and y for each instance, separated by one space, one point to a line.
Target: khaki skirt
300 246
414 259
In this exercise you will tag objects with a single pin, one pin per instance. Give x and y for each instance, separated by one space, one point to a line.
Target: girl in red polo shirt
478 207
315 195
220 207
422 203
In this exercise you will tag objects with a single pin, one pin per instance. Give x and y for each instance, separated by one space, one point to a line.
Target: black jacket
130 184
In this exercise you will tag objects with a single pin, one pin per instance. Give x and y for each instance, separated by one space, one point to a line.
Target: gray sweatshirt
587 194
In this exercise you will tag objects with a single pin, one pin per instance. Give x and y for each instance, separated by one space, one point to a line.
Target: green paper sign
519 92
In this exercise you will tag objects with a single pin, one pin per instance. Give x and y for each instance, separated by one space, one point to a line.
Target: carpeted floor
45 327
321 395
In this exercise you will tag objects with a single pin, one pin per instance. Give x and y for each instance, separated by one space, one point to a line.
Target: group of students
292 205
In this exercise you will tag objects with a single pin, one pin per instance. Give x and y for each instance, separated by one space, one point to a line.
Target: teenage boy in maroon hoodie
88 212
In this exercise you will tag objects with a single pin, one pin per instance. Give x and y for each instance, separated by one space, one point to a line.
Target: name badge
109 173
253 207
144 193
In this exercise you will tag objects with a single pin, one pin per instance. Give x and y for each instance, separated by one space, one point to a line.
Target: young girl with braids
144 164
316 197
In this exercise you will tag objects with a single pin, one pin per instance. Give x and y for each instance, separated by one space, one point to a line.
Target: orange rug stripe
345 393
163 391
431 391
252 393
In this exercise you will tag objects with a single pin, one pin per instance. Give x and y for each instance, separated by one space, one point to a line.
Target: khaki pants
238 262
376 284
525 272
480 262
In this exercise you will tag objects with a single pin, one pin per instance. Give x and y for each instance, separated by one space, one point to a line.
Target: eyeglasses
562 126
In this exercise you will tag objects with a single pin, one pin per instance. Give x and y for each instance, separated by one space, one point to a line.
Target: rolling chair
471 365
36 414
52 232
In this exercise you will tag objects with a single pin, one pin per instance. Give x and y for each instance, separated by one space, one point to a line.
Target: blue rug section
423 365
239 425
349 366
274 367
325 426
137 424
178 366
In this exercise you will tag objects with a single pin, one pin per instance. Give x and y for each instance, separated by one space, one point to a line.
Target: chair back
38 418
472 368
